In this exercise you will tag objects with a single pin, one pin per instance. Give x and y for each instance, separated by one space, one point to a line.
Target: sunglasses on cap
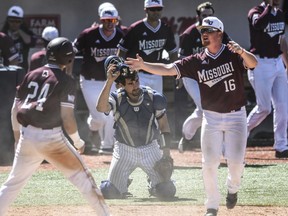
155 9
208 30
109 20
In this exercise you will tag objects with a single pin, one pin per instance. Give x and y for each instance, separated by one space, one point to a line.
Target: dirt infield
254 155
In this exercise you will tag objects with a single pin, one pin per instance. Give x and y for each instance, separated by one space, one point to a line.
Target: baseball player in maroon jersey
218 70
8 52
96 44
269 79
38 59
149 37
23 38
190 43
44 103
135 109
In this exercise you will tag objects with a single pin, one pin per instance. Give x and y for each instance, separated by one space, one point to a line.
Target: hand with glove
165 167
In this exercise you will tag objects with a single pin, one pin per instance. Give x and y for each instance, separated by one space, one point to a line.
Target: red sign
38 22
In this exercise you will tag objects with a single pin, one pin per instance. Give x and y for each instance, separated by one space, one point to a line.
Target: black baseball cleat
283 154
183 144
211 212
231 200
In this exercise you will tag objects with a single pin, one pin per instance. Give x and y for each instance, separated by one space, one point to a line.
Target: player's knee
265 110
109 190
95 125
163 190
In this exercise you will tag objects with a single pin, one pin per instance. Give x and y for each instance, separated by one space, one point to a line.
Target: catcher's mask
124 69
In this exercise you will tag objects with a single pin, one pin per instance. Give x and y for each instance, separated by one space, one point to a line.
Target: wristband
78 143
165 140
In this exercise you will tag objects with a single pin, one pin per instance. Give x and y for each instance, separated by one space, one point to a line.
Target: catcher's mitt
165 168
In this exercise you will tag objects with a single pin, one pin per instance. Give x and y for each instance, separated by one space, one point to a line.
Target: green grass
262 185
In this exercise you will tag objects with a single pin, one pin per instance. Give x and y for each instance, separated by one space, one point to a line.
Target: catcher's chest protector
135 123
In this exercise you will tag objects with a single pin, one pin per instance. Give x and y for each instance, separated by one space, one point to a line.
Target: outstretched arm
153 68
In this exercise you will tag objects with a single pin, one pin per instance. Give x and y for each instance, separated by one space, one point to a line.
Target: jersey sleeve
67 98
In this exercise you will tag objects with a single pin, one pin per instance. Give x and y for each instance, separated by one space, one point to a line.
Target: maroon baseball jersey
266 30
41 95
95 48
8 51
147 41
190 41
38 59
220 78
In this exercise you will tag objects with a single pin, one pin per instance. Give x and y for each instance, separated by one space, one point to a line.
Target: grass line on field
262 185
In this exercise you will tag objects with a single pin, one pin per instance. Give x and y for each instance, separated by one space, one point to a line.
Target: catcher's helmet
60 51
124 69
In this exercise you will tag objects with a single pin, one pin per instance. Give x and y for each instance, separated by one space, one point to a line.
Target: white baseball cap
15 11
104 5
49 33
212 22
109 13
153 3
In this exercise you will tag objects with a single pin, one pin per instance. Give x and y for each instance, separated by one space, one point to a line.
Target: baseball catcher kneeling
140 141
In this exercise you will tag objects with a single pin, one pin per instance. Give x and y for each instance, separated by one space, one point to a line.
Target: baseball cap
153 3
49 33
109 13
15 11
104 5
212 22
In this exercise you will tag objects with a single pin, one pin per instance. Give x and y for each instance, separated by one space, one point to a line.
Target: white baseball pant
36 145
269 81
153 81
194 121
222 134
98 121
126 159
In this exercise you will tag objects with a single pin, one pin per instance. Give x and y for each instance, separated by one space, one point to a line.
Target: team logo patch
209 22
71 98
136 109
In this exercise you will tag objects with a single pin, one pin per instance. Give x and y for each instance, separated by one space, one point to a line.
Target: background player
39 59
22 37
149 37
135 109
44 103
269 79
218 70
96 44
8 52
190 44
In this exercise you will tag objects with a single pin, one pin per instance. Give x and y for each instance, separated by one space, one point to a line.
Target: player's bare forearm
103 100
249 59
68 119
164 124
153 68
